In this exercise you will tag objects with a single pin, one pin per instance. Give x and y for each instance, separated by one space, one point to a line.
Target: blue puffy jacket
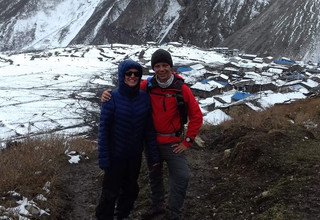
126 124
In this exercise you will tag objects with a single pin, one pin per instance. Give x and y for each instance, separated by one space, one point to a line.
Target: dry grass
26 167
272 169
300 113
32 163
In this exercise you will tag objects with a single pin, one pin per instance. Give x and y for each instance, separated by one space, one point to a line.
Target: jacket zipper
164 104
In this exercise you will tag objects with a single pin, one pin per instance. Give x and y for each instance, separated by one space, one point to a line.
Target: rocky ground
244 171
239 174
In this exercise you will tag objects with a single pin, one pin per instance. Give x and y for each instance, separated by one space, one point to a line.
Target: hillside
288 28
265 27
259 166
28 25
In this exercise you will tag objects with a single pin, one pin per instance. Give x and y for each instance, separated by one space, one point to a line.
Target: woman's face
131 77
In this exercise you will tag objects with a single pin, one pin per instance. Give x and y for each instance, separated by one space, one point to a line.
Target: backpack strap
181 105
150 84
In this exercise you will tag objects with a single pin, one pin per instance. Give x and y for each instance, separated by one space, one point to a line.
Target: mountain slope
41 24
207 23
264 27
289 28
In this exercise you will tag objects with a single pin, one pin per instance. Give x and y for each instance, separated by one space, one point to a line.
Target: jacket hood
123 67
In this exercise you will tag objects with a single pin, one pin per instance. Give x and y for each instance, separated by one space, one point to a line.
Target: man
164 88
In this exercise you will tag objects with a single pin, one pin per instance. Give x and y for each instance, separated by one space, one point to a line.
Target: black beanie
161 56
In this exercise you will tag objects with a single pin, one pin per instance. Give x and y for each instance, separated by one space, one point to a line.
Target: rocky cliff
264 27
289 28
49 23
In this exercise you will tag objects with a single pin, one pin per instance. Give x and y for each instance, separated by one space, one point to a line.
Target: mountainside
26 25
264 27
289 28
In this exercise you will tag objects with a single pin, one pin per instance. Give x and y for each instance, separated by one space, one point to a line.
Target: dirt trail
82 185
258 180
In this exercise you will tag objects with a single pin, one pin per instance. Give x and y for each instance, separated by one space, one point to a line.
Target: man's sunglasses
129 73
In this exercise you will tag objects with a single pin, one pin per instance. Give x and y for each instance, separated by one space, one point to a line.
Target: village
219 78
245 78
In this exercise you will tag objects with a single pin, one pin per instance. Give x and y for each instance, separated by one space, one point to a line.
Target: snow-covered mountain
27 25
266 27
286 27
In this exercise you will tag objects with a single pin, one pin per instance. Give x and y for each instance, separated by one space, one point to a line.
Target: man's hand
106 96
179 148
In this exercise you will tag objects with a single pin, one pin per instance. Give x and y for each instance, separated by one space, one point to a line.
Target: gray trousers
179 176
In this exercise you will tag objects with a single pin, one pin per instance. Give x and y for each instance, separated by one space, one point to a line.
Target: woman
125 124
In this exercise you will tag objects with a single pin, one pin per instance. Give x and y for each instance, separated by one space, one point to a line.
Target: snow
274 70
216 117
35 94
24 207
54 92
66 18
274 98
170 17
311 83
74 157
51 92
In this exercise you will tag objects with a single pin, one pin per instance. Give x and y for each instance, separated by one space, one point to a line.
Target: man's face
163 71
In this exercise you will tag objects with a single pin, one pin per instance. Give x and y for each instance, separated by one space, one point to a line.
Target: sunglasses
129 73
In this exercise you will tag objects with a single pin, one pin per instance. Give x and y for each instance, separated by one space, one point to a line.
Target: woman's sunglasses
129 73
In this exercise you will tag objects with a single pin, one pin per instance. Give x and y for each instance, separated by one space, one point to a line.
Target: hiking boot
153 212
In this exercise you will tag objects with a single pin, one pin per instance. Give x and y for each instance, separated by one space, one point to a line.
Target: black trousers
119 186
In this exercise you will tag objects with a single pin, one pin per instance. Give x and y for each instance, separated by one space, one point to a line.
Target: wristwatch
189 140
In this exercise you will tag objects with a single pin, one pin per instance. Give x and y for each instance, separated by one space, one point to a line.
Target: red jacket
166 116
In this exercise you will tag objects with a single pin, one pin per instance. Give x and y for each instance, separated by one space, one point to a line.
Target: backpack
181 105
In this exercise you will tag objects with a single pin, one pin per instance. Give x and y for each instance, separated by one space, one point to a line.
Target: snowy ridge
171 16
54 23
